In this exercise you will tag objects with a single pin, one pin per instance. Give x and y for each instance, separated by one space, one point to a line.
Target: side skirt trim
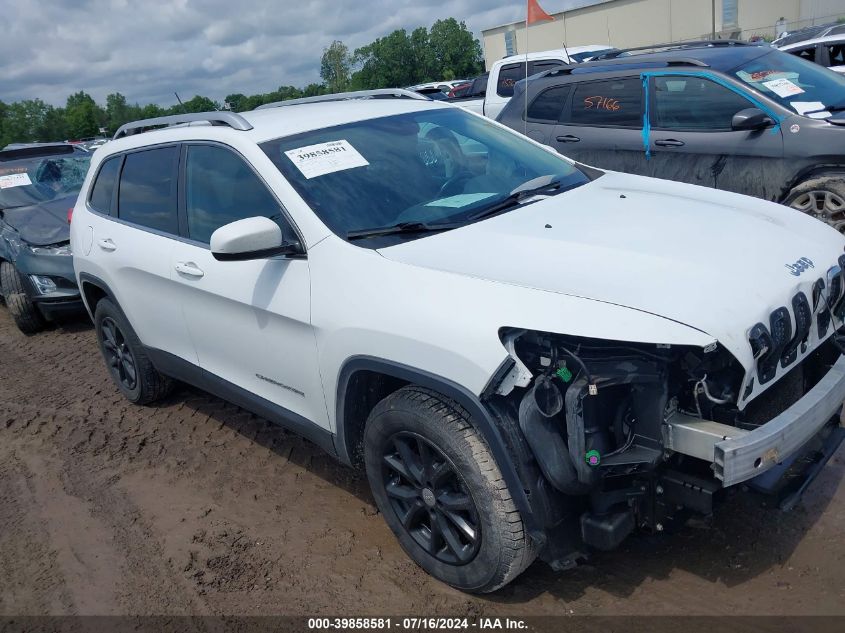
181 369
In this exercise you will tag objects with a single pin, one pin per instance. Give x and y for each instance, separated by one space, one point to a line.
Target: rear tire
25 313
441 492
822 198
129 366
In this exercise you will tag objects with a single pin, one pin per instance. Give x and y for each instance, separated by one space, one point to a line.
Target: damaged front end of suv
619 436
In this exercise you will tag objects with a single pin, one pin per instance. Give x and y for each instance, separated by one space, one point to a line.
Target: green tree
445 51
235 102
313 90
336 66
54 125
200 104
423 55
387 62
82 115
118 111
455 51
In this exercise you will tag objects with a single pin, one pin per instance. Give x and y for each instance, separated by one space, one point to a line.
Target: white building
628 23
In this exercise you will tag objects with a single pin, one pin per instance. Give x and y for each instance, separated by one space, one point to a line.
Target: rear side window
808 53
694 103
542 65
101 192
508 76
221 188
511 73
615 102
147 194
479 86
836 53
549 104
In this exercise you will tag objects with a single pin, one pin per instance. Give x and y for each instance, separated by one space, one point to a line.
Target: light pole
713 22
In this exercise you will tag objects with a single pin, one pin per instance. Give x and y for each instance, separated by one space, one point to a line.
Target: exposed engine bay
623 434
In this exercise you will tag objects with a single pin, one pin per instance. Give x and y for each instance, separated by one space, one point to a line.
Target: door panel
251 324
603 125
249 320
692 141
134 259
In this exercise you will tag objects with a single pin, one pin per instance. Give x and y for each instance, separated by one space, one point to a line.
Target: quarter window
615 102
147 194
221 188
101 192
549 104
694 103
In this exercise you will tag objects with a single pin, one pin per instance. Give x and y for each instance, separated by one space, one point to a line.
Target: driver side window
694 103
221 188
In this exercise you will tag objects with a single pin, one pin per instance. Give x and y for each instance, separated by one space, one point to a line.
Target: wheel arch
93 290
816 171
358 382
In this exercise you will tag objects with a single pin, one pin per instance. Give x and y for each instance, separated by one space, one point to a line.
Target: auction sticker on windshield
460 200
326 158
783 87
14 180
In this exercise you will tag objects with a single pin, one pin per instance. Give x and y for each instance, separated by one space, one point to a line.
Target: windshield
34 180
435 166
798 84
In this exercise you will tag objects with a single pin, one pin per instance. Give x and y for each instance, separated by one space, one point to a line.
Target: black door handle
568 139
669 142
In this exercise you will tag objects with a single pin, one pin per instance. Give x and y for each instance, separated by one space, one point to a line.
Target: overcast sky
147 49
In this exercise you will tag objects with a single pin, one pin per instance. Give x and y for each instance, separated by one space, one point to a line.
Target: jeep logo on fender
800 266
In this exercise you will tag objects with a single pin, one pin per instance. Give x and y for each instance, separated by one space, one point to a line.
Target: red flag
536 13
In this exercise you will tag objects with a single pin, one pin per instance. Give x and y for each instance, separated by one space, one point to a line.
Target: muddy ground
197 507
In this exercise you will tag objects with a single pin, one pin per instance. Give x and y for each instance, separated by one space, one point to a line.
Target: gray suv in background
743 118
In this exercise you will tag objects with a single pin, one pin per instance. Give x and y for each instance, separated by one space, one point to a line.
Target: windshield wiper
836 107
533 187
541 184
401 227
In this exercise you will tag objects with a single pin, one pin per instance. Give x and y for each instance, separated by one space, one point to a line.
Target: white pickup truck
506 72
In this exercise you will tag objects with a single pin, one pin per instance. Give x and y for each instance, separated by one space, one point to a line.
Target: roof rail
614 54
610 64
231 119
381 93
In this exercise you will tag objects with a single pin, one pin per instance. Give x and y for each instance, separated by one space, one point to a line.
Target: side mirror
751 119
251 238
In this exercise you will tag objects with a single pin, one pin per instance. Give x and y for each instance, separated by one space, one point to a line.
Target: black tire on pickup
129 366
25 313
441 492
822 197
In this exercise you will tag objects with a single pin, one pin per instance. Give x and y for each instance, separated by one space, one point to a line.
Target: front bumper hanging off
737 455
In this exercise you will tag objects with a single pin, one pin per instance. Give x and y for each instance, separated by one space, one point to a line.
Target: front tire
441 492
822 198
129 366
25 313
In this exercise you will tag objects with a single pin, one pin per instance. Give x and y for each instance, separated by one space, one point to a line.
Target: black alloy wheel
119 357
430 499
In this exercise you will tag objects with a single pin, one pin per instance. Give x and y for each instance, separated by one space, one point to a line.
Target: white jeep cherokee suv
530 357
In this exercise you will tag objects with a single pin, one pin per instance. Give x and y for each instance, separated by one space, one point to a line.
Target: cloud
149 50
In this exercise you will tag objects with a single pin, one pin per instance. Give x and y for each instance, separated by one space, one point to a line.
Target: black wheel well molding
349 421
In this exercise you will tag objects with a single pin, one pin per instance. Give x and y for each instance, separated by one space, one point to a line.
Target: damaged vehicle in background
38 188
743 118
528 356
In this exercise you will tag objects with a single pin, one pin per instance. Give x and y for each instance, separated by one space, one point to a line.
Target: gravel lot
197 507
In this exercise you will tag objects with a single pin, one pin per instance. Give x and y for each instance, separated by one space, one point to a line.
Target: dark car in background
471 89
739 117
39 184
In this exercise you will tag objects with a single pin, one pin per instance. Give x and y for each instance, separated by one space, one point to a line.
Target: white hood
714 261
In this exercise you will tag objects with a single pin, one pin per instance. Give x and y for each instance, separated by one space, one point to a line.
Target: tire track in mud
197 506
